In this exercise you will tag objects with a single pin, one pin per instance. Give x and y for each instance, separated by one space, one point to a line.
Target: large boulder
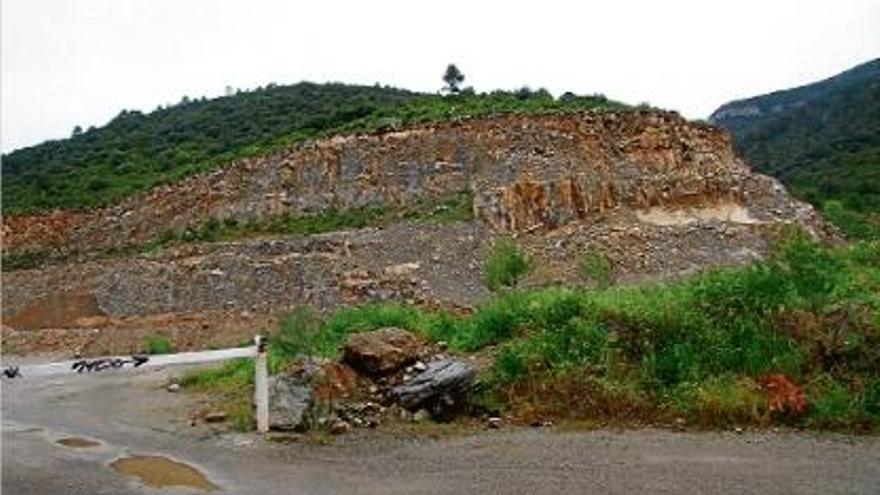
443 389
381 352
292 395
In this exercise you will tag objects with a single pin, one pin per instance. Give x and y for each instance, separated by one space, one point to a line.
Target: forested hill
821 139
136 151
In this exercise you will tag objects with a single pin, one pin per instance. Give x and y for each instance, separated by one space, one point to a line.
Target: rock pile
399 377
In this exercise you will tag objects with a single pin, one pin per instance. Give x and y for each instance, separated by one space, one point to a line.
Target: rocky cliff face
656 195
525 172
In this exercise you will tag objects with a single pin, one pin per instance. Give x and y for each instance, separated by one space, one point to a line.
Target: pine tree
453 78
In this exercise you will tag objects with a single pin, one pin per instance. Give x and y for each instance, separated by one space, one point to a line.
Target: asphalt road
131 413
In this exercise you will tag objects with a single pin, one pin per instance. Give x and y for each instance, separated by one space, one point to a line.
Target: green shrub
854 224
304 333
158 344
596 268
695 348
721 400
504 264
831 403
297 334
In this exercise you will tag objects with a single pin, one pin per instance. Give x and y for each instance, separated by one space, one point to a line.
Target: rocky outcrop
526 172
657 196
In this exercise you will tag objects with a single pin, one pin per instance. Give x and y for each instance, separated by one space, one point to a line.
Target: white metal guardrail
96 365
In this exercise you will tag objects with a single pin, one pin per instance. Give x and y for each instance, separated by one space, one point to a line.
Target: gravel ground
131 413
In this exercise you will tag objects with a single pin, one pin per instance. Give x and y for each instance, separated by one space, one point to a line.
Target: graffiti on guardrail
11 372
102 364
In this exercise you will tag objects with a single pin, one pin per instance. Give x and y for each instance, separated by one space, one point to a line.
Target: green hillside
136 151
822 140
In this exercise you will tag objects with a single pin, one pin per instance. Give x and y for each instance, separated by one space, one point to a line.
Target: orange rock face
526 172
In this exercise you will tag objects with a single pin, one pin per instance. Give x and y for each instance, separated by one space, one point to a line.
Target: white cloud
67 63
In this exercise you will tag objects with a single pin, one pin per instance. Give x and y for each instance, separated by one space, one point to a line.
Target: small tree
77 131
504 264
453 78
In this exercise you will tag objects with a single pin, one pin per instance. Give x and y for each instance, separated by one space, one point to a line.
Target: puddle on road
162 472
78 443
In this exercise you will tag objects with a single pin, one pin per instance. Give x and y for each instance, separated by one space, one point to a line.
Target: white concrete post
261 386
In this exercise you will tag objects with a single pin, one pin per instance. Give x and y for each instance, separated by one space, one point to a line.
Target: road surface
130 413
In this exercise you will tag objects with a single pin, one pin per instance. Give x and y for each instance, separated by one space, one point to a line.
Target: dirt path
131 414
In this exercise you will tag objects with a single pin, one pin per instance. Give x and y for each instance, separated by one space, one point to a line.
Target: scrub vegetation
793 339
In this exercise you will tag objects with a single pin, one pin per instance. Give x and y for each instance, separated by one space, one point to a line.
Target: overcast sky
79 62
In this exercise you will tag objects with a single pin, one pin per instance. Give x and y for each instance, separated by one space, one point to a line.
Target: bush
596 268
504 264
854 224
707 348
305 333
297 333
158 344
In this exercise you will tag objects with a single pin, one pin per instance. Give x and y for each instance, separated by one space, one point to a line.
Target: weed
504 264
230 387
596 268
158 344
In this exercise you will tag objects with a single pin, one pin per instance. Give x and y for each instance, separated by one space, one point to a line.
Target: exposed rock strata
659 197
526 172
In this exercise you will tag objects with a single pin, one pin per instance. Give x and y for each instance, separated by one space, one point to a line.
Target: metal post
261 386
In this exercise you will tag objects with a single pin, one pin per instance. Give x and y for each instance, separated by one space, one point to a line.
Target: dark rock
443 389
382 351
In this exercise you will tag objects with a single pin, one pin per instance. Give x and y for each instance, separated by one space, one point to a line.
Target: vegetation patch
158 344
504 265
446 209
854 224
452 208
25 259
230 388
792 339
596 269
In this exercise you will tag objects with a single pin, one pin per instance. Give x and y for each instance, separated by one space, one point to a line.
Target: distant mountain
136 151
821 139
